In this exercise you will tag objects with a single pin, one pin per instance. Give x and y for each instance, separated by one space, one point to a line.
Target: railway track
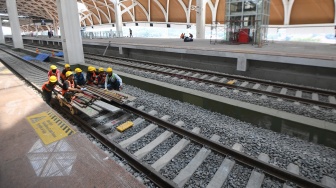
318 98
102 126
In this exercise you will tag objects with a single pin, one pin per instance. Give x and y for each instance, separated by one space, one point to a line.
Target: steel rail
163 182
153 175
241 157
268 93
251 80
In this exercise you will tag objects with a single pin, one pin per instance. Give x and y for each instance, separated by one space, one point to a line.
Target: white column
71 25
60 22
200 19
118 18
287 4
70 31
2 39
14 23
55 28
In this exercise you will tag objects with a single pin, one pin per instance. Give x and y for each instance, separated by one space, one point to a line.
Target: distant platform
277 48
310 64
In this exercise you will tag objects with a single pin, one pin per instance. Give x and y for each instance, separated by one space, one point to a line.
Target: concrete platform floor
26 162
287 49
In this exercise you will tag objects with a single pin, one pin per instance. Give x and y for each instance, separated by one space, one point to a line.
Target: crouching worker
91 75
54 72
100 79
112 80
79 77
69 86
66 69
48 88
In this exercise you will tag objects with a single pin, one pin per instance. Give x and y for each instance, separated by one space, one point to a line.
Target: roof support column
287 4
118 18
2 39
14 23
55 28
60 21
200 19
71 37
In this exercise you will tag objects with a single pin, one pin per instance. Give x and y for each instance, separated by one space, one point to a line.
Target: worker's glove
83 89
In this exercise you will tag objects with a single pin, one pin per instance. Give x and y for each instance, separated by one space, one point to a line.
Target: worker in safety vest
48 87
91 75
69 86
100 79
54 72
79 77
112 80
66 69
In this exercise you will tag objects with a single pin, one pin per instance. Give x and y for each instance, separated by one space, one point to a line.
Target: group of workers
70 82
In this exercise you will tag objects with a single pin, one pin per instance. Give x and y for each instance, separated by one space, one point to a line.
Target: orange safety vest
50 73
45 87
93 77
100 79
63 76
71 85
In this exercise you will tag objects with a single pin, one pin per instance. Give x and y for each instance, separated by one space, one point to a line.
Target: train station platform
69 161
303 63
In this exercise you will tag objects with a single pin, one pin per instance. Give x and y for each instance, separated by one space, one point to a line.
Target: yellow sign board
49 127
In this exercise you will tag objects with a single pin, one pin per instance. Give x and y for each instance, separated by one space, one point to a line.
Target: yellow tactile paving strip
49 127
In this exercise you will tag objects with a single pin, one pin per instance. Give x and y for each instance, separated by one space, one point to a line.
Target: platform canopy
98 12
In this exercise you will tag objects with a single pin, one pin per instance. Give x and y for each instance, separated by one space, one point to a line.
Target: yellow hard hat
67 66
52 79
90 68
109 69
53 67
101 70
68 73
78 70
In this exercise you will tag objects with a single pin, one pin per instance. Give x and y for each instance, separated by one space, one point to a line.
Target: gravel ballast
314 160
308 111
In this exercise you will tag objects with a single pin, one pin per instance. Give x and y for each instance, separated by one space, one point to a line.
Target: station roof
174 11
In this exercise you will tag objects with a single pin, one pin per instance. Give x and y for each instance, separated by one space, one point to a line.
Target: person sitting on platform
182 36
112 80
48 88
91 75
188 39
69 86
66 69
100 80
79 77
54 72
191 35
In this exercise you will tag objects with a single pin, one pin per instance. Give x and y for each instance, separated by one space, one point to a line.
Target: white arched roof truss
127 10
108 11
162 9
86 16
213 8
90 12
143 9
185 10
